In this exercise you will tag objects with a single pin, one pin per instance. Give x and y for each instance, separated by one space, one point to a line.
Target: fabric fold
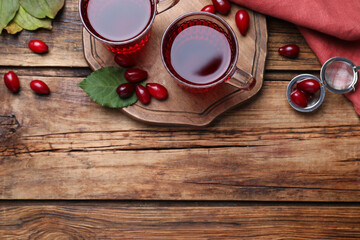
330 27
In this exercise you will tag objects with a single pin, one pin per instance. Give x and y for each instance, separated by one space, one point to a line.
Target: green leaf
13 28
8 9
28 22
42 8
101 87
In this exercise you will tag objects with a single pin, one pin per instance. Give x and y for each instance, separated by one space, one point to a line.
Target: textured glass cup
202 28
132 43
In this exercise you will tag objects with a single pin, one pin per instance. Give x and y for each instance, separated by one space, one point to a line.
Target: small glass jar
338 75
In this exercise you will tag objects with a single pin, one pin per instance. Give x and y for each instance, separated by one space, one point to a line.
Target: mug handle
164 5
242 80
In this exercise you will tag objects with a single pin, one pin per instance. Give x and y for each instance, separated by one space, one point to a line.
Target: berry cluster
304 91
12 82
134 76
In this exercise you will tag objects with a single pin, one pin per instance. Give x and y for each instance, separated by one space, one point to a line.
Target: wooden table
71 169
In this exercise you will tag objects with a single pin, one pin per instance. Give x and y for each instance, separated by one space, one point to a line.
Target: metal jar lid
339 75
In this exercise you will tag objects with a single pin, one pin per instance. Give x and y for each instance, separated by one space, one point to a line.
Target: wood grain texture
148 221
64 41
66 50
183 107
283 33
64 146
261 151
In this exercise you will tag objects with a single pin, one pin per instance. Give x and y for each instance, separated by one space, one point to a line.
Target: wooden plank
66 50
76 112
67 147
269 75
282 33
279 172
135 221
35 72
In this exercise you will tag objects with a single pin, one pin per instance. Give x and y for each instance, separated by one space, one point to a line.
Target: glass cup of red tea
200 51
122 25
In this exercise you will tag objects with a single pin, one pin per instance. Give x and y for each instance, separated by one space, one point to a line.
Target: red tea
198 52
117 20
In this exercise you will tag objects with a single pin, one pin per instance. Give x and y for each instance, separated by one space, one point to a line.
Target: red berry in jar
156 90
38 46
290 50
209 9
124 60
12 82
309 85
39 87
242 20
135 75
308 96
126 90
298 98
222 6
142 94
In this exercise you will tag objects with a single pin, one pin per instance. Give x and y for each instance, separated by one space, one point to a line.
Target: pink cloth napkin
330 27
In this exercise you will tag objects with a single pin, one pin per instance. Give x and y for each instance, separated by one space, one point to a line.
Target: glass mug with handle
123 26
200 51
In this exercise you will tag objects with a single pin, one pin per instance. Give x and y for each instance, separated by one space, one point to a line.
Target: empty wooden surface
174 221
65 147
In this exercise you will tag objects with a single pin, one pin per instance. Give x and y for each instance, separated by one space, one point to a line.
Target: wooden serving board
182 107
